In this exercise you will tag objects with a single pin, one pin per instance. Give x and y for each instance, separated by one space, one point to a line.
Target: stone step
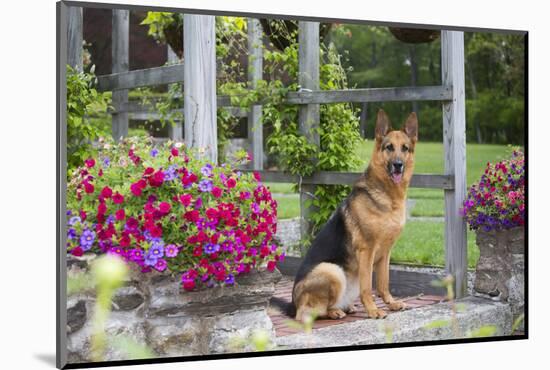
409 326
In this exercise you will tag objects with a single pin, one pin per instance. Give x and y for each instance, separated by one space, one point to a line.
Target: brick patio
284 291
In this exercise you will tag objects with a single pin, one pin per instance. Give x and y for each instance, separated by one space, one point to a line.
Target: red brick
434 298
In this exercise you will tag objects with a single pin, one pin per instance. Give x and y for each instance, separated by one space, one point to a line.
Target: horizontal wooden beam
139 108
141 77
174 73
348 178
370 95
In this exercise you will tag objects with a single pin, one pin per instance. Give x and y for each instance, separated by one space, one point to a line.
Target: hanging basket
174 36
414 35
279 30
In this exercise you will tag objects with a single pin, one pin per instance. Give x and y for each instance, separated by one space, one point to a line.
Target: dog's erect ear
411 127
382 125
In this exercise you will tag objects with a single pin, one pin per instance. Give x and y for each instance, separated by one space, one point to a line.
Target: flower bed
495 209
497 201
163 208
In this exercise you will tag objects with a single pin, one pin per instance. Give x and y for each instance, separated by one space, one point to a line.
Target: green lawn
422 242
288 206
429 157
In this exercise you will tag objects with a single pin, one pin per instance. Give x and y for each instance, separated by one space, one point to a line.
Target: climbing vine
339 124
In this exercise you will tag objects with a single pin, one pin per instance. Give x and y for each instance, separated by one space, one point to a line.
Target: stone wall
500 271
153 310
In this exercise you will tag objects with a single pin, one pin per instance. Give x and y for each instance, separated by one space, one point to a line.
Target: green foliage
338 130
484 331
82 101
517 322
130 348
109 273
158 22
79 282
494 73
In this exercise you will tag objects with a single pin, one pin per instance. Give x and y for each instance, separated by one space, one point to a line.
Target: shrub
163 208
497 201
82 101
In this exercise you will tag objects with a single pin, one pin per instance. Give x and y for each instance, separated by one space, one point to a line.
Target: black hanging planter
414 35
273 30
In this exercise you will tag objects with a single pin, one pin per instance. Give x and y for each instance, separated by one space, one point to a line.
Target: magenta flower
171 250
160 265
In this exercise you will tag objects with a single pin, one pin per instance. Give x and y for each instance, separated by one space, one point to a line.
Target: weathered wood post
74 37
175 131
255 71
199 61
120 53
308 78
454 138
63 49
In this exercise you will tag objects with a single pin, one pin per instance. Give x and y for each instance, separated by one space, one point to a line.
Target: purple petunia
150 260
75 219
205 186
154 152
157 249
207 170
87 239
210 248
71 234
171 250
170 174
106 162
229 279
104 245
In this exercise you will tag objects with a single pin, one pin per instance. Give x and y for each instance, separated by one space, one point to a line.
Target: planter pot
272 29
153 309
414 35
500 269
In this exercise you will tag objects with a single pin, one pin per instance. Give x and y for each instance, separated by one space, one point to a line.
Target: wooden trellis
198 72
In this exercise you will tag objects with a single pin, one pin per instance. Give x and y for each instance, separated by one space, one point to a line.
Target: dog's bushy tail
284 306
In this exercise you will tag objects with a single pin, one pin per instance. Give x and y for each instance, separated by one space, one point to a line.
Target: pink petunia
217 192
89 162
186 199
271 265
231 183
120 214
88 188
160 265
164 207
257 176
118 198
106 192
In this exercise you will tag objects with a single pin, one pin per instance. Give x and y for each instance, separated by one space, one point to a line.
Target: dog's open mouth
396 176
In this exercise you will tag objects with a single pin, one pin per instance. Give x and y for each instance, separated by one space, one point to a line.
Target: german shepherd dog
359 236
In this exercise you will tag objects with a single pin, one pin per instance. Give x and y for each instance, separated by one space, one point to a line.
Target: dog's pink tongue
396 177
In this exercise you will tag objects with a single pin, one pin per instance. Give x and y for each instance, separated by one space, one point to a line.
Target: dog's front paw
351 309
376 313
336 314
397 306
